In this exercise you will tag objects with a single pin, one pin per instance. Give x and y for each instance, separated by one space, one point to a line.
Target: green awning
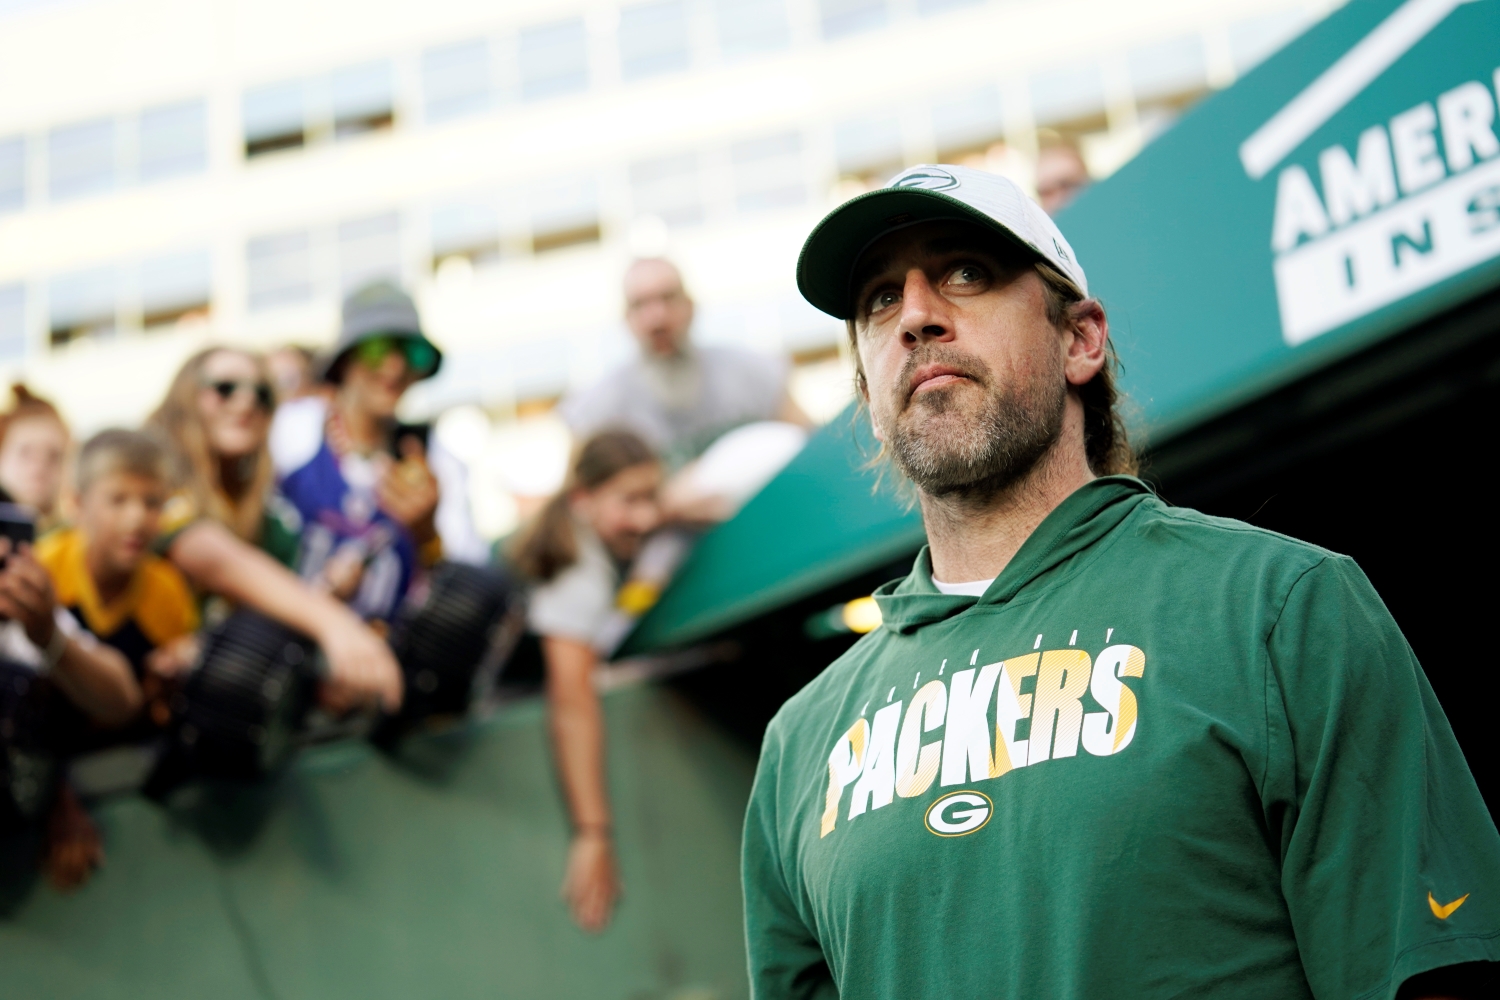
1346 189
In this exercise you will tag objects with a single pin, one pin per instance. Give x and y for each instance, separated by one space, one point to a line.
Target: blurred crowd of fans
285 486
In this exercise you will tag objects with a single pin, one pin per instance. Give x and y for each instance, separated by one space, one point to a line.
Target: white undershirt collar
973 588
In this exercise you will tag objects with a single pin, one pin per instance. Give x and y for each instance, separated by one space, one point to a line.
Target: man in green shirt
1100 746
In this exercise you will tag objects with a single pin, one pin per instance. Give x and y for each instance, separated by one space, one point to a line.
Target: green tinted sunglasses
421 357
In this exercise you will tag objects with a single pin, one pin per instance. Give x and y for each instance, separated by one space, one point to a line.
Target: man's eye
883 300
968 274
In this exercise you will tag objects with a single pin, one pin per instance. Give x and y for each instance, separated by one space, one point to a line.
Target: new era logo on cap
926 193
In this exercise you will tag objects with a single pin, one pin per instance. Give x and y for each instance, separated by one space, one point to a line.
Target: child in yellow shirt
103 568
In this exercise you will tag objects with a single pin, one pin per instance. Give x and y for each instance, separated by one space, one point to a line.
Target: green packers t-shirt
1164 755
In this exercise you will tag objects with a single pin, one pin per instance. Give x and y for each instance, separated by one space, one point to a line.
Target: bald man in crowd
1061 174
678 396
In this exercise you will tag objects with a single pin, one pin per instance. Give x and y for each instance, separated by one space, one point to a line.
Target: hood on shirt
1089 514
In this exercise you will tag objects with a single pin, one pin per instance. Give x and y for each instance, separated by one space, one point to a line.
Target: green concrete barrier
432 873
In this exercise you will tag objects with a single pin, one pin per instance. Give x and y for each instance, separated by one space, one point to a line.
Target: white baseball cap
925 193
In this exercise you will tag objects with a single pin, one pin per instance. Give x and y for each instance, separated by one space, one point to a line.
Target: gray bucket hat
380 309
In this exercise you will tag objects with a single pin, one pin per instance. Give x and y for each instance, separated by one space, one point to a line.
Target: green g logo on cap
959 813
926 179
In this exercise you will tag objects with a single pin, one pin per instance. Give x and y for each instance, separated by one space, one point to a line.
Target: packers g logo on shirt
959 813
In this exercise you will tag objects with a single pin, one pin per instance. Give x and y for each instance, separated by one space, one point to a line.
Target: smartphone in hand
18 524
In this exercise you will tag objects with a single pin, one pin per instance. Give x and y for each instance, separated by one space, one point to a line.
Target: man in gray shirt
677 396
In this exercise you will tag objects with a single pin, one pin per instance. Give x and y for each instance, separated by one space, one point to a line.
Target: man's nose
924 313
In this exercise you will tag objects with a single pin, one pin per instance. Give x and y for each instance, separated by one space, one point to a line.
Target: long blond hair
238 505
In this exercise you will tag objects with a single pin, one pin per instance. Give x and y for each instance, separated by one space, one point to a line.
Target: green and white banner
1342 191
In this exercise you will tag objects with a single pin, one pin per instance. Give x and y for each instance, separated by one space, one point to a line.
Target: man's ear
1087 341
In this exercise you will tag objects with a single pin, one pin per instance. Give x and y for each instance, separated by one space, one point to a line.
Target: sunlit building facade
179 172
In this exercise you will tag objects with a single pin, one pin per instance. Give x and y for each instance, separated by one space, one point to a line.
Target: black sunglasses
227 388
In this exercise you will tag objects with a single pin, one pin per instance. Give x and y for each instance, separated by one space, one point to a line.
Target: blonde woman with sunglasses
216 419
232 536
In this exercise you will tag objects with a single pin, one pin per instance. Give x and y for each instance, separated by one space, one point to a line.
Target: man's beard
951 445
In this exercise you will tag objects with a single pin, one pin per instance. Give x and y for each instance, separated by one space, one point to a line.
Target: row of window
347 102
766 173
656 37
538 62
96 302
291 267
761 173
103 154
653 38
109 153
296 266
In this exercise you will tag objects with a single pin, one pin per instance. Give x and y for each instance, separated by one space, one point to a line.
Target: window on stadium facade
654 39
553 59
751 27
1071 95
279 269
769 172
363 98
456 80
668 187
840 18
869 148
564 213
369 249
965 121
172 140
175 287
82 159
467 227
83 305
274 117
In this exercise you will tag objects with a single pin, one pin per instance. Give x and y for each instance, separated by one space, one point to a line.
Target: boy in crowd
39 635
103 569
376 504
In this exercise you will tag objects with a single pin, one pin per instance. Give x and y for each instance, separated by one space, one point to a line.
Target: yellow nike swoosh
1445 910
